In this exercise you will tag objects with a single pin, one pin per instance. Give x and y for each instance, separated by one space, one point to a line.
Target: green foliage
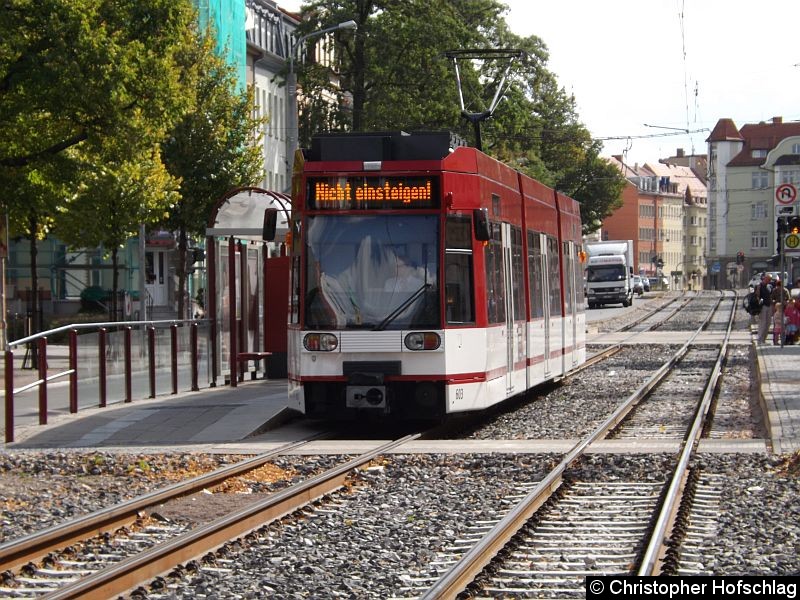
117 192
89 92
74 71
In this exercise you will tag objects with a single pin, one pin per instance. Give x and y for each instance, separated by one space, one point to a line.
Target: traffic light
794 225
782 226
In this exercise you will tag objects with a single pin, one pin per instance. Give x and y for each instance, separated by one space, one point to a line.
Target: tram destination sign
360 192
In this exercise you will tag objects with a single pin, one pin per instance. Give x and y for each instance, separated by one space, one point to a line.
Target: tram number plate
459 393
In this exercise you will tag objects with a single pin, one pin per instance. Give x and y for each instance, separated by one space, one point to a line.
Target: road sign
791 244
785 194
716 267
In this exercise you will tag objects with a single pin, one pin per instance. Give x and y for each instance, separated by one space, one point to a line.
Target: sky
643 72
681 64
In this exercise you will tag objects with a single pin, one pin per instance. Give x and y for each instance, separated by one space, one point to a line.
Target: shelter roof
240 214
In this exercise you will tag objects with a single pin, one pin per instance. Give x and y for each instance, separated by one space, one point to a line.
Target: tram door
570 292
510 289
545 298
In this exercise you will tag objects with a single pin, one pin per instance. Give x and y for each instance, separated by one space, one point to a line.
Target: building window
760 180
758 210
758 153
795 148
759 240
790 176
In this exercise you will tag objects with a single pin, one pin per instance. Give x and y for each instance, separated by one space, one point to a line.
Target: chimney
777 120
680 153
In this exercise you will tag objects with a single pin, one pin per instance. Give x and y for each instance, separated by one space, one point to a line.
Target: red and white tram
426 279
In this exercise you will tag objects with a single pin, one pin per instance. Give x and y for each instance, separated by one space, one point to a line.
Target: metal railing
112 362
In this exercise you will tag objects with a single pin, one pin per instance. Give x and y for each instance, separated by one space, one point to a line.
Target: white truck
609 273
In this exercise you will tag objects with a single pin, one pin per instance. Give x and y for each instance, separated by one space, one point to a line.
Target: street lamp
291 83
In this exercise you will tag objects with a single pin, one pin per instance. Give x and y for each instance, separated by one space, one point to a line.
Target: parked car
755 279
638 287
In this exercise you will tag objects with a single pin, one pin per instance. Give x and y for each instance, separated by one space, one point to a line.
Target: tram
427 279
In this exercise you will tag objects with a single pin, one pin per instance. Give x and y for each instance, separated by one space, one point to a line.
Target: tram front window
372 272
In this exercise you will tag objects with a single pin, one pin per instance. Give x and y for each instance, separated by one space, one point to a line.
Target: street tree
212 149
74 74
127 185
392 72
29 200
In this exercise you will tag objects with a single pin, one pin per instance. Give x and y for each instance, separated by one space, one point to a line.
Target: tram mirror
270 224
480 219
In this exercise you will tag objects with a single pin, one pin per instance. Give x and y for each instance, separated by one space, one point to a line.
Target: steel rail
131 572
464 571
653 557
615 348
37 545
682 298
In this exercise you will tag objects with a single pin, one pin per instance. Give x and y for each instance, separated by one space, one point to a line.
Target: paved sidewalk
210 416
779 385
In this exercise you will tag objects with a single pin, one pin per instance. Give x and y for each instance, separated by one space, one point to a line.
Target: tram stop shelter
248 281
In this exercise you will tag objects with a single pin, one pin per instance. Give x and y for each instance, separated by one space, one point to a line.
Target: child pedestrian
792 319
777 323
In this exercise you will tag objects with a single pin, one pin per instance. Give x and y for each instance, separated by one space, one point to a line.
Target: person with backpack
764 292
752 304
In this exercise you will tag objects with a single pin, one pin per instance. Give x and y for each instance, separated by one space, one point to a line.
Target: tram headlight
422 340
320 342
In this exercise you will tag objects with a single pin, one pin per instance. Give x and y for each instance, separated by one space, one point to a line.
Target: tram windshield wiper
399 310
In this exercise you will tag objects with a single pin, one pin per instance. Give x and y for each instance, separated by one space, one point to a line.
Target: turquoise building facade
226 18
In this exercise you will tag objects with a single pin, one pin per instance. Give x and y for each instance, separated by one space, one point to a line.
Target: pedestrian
792 319
779 293
777 323
764 291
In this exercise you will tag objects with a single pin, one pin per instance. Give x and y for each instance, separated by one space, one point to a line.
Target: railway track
78 563
574 492
519 555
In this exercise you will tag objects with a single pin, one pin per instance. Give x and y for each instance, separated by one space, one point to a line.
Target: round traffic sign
786 193
792 241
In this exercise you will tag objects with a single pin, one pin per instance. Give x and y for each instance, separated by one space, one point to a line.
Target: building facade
664 212
744 169
269 33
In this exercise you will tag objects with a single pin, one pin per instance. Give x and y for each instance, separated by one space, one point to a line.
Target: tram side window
567 277
459 295
495 289
536 273
554 277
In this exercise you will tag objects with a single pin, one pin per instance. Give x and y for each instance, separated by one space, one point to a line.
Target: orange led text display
372 192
